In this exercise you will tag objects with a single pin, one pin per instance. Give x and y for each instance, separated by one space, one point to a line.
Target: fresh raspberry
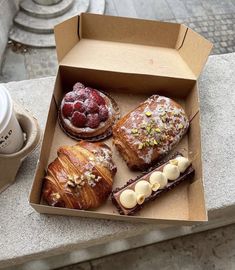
93 120
78 86
97 97
70 97
78 106
78 119
67 109
103 113
91 106
83 93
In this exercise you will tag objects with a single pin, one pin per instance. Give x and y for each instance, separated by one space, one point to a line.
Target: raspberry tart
86 113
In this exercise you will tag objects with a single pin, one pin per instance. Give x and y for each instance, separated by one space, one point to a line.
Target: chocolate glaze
187 175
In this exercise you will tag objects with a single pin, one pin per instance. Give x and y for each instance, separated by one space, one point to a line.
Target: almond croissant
80 177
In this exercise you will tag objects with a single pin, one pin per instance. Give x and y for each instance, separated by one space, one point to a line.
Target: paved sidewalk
219 29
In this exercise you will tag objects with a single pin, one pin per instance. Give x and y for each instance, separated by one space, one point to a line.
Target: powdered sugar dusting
68 123
155 127
104 158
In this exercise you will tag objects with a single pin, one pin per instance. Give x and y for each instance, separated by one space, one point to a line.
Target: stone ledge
42 236
115 246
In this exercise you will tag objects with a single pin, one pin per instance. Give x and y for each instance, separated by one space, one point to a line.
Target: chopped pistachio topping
152 121
180 126
143 125
148 129
157 130
155 142
141 145
151 143
134 131
163 119
148 113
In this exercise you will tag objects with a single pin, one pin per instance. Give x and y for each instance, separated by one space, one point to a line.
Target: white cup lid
5 107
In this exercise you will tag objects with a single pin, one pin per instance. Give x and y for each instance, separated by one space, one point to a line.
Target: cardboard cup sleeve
10 163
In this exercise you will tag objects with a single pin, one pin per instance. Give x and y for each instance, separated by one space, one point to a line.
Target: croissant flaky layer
150 131
80 177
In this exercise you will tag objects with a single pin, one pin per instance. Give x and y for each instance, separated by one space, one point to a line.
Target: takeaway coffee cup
11 134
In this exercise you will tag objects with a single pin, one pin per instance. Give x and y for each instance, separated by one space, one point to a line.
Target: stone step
47 40
43 25
39 11
47 2
32 39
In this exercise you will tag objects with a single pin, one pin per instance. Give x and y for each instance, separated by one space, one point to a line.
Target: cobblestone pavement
41 62
215 20
33 63
211 250
219 29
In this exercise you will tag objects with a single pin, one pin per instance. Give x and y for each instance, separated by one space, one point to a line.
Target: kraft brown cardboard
130 59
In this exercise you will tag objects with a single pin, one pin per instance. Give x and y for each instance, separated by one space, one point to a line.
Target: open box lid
131 46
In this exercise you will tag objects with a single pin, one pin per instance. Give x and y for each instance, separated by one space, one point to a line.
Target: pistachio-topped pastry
150 131
135 193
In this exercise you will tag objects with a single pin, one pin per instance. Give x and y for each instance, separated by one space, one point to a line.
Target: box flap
131 46
195 50
66 36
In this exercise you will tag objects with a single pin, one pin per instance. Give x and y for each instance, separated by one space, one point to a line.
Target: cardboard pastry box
130 59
